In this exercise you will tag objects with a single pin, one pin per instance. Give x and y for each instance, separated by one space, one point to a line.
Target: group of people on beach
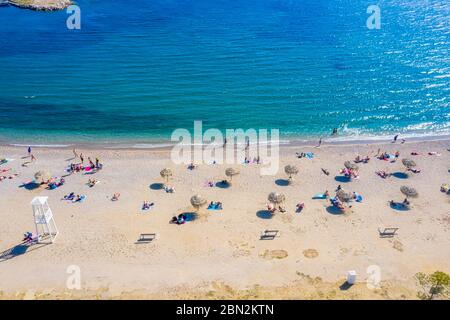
77 167
31 156
4 176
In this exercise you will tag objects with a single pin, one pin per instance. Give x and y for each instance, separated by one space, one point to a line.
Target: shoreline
284 142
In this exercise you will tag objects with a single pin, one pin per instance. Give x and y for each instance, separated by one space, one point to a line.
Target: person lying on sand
146 205
404 204
70 196
384 156
169 189
209 184
181 219
299 207
325 171
53 184
434 153
337 204
215 206
79 198
92 182
383 174
115 197
28 237
359 159
271 208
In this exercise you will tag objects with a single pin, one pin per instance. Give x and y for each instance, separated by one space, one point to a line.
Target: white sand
222 256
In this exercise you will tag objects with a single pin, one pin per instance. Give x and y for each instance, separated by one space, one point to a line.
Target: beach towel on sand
214 207
82 198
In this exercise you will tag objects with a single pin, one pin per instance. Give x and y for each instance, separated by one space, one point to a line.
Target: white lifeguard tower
46 230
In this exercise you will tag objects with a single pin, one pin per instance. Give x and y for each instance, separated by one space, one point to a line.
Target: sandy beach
221 255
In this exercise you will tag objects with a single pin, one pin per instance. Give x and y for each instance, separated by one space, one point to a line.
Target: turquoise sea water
137 70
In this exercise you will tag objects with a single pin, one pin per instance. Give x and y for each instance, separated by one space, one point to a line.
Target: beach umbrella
290 171
276 198
344 196
351 166
42 176
408 163
409 192
230 172
166 173
198 201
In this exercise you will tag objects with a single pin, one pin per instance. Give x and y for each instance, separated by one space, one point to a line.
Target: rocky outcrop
41 5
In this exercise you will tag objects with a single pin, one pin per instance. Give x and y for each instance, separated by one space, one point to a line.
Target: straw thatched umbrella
166 174
230 172
42 176
351 166
344 196
408 163
409 192
290 171
276 198
198 201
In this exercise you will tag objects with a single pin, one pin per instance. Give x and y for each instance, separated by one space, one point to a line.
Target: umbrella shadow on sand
222 185
334 211
264 214
282 182
399 206
190 216
30 185
342 179
156 186
400 175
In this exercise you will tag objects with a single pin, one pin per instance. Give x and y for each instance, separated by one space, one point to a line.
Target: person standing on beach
224 142
33 158
81 158
320 143
334 132
395 138
29 151
75 154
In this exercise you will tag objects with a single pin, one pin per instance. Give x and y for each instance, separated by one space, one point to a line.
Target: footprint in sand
397 245
310 253
274 254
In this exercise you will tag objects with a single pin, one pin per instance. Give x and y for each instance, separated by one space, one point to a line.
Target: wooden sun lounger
387 232
269 234
146 238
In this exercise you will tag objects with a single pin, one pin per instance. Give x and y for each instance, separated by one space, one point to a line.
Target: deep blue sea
137 70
